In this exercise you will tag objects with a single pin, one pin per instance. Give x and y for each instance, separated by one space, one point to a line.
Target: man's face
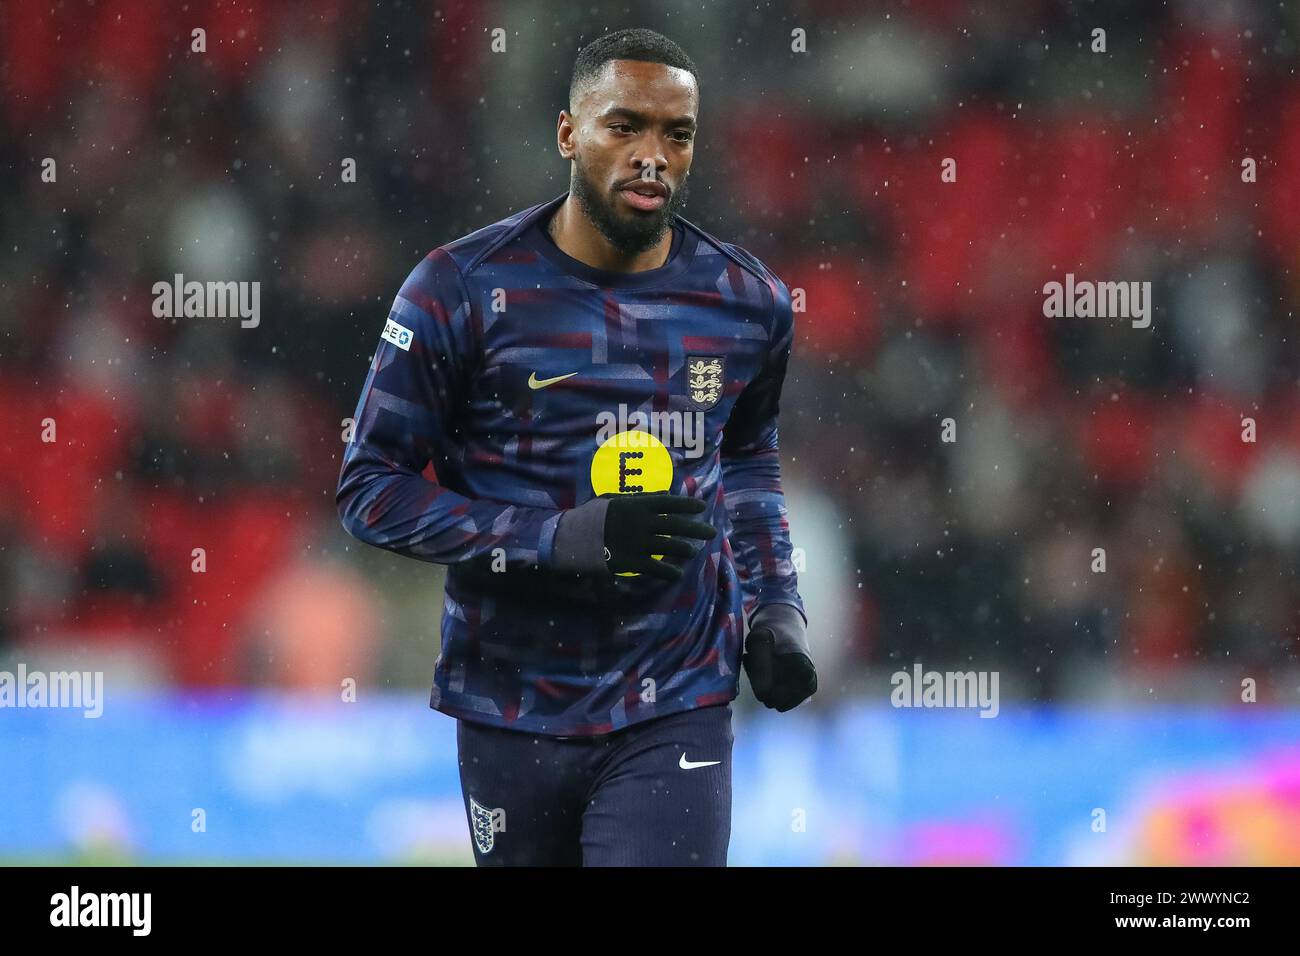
633 113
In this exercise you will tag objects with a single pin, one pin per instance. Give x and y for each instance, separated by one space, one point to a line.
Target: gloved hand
621 532
776 658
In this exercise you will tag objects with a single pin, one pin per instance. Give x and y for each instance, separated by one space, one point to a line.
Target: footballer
575 410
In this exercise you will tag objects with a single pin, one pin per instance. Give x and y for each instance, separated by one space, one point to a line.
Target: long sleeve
407 419
751 474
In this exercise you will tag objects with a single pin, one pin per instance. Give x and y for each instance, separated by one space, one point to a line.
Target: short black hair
636 43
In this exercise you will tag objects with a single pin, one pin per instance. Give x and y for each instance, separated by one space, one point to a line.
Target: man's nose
650 165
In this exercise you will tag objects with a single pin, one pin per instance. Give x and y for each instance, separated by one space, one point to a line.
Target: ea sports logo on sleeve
399 335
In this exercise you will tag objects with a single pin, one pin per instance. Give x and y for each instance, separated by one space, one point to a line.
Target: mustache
637 179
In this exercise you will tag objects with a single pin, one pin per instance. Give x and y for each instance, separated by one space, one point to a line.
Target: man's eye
620 126
685 136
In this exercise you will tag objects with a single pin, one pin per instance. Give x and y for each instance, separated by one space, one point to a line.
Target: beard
629 231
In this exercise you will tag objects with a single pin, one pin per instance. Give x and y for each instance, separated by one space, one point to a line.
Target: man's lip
652 186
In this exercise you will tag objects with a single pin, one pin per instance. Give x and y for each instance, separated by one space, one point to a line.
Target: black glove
653 522
617 532
776 659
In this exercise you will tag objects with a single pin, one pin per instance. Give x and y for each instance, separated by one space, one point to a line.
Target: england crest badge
486 823
704 380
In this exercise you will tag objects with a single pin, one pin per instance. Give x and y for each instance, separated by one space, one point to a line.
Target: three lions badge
703 380
486 823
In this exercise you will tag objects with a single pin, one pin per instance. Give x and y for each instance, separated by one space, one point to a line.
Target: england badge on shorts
486 824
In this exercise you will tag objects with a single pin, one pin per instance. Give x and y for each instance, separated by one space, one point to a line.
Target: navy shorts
657 793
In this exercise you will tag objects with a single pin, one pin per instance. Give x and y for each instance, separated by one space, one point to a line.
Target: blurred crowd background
924 302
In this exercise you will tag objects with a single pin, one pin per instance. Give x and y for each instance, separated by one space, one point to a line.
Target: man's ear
565 127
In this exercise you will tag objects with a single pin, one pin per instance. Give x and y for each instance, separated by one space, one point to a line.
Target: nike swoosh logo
535 382
692 764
